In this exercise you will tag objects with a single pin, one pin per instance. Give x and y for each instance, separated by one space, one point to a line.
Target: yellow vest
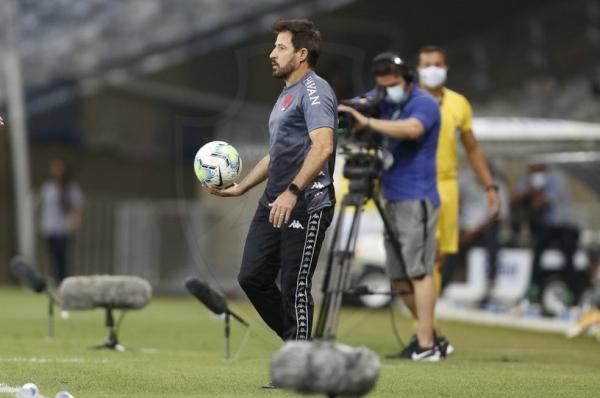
456 119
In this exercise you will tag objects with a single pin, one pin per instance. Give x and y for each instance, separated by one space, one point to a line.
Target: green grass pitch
177 351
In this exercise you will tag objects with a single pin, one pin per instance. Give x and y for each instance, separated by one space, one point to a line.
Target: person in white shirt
61 205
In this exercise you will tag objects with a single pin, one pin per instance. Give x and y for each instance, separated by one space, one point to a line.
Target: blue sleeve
319 105
426 111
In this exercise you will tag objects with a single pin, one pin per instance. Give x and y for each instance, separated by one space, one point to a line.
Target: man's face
284 59
390 80
432 69
433 58
57 169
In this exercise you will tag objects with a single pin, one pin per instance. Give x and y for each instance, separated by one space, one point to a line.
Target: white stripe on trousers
309 229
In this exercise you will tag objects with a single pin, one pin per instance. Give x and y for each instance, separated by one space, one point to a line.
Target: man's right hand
232 191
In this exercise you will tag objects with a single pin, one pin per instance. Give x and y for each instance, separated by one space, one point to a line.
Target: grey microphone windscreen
28 275
325 368
88 292
214 300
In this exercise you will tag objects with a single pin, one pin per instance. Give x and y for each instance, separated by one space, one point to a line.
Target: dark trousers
565 238
58 249
488 238
292 250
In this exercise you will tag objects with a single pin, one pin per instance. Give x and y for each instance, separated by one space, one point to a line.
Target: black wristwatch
293 188
492 186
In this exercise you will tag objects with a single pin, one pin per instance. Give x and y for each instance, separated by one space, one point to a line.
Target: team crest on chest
286 102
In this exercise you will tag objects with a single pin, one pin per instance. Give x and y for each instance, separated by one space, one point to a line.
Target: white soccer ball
217 164
28 390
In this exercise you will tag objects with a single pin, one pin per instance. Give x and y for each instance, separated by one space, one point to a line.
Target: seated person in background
544 191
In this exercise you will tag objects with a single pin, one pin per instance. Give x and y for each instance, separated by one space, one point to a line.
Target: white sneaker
426 354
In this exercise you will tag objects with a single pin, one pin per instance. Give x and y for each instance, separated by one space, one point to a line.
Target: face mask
538 179
396 94
432 76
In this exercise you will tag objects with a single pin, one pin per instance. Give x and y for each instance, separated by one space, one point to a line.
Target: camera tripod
362 170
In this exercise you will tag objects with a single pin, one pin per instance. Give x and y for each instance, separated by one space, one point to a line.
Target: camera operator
409 120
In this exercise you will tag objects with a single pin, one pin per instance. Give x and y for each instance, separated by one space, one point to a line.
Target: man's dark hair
432 49
390 63
304 35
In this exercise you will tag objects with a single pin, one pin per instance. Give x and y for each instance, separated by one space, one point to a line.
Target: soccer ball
28 390
217 164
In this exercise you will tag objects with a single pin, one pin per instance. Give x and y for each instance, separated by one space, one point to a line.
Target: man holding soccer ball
297 206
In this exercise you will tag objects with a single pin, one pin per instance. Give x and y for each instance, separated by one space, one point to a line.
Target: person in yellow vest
432 67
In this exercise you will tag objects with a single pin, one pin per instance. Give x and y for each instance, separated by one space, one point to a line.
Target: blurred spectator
477 228
552 221
61 215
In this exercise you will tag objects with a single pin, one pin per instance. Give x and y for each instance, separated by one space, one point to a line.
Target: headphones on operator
390 57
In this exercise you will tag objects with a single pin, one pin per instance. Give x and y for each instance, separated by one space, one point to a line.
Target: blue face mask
396 94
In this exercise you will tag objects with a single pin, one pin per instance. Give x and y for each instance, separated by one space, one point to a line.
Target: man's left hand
493 199
361 121
281 208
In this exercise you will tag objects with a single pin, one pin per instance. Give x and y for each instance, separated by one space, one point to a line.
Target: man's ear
303 54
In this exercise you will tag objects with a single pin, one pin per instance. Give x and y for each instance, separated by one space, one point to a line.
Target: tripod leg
330 271
338 275
341 284
334 244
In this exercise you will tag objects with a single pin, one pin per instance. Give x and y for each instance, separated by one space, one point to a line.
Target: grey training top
57 208
304 106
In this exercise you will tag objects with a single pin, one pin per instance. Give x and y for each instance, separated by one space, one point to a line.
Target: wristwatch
492 186
293 188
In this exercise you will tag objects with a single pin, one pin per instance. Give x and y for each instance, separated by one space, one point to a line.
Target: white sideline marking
5 389
51 360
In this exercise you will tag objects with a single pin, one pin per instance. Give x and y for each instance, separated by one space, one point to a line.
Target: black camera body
368 105
362 149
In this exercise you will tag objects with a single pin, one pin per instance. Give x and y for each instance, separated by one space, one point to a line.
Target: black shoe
440 341
406 352
415 353
444 345
269 386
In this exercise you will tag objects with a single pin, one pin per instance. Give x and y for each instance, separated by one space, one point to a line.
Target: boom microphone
28 275
215 302
212 299
98 291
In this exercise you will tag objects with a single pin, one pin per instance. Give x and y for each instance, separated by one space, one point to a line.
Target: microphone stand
228 315
51 303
